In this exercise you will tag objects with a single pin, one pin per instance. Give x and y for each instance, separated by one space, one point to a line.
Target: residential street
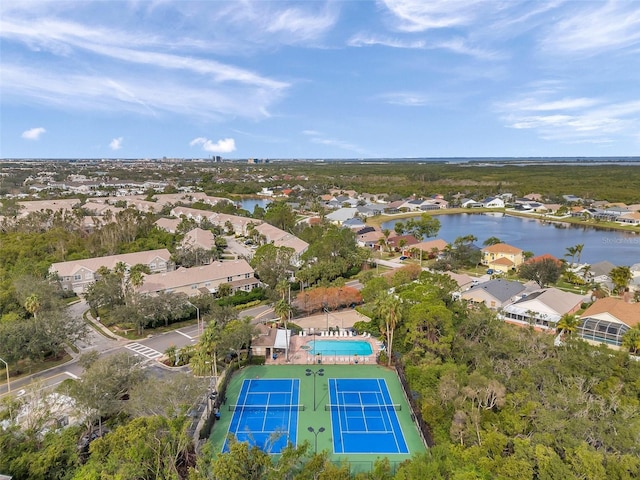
148 349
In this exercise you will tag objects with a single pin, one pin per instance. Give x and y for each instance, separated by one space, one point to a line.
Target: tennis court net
267 408
356 407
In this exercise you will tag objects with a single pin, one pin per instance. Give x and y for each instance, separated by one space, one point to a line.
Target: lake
619 248
249 204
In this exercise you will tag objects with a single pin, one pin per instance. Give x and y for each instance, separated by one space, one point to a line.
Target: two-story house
76 275
502 257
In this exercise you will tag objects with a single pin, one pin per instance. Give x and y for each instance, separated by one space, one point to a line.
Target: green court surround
320 417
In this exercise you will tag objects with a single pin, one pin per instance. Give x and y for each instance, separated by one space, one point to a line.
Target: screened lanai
604 331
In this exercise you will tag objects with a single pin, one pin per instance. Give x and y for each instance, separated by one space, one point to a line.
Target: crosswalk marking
143 350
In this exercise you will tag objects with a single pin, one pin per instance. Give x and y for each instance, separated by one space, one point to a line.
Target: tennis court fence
357 407
268 408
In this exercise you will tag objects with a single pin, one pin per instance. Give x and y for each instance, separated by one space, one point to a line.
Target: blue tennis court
363 417
266 414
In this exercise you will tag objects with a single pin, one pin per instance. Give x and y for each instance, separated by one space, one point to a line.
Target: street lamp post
8 381
315 433
200 328
319 373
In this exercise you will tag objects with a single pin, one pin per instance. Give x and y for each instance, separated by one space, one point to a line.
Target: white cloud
116 143
571 120
153 72
136 93
405 99
33 133
365 40
321 139
420 15
304 25
225 145
595 28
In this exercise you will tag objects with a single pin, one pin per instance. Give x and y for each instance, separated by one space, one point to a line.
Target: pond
539 237
249 204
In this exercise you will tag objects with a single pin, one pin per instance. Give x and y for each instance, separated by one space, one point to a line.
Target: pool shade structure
319 373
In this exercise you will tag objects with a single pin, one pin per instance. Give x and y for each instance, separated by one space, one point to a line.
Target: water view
619 248
249 204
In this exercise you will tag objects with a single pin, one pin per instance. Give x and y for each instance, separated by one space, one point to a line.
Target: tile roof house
191 281
543 308
463 280
607 320
369 239
502 257
407 241
495 293
199 238
168 224
239 224
280 238
77 274
43 205
431 247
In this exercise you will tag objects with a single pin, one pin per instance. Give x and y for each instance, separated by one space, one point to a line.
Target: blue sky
315 79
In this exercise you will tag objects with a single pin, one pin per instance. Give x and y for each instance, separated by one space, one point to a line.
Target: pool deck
300 345
315 327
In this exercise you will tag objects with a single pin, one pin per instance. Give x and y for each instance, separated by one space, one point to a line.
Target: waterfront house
493 202
430 248
502 257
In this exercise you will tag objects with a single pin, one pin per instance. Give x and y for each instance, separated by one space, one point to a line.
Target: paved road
148 349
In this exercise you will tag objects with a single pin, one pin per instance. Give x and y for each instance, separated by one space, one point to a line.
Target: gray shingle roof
501 289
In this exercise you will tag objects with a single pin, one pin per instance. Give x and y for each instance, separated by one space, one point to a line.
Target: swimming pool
340 347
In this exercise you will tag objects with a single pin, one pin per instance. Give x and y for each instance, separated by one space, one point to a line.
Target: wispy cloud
418 15
33 133
366 40
302 23
134 93
177 81
116 143
225 145
321 139
595 28
571 120
405 99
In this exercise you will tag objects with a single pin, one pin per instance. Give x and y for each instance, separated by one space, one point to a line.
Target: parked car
403 257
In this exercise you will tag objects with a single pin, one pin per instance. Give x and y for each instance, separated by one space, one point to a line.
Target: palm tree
282 308
205 360
631 340
389 309
386 232
579 248
568 323
571 252
491 241
620 276
32 305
